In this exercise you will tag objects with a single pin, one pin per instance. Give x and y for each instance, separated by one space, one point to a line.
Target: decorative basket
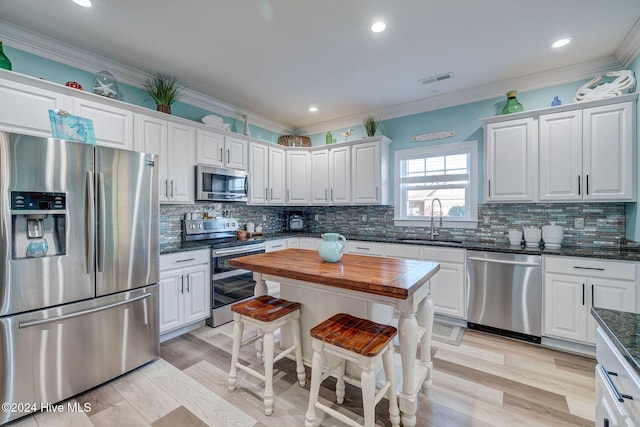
294 141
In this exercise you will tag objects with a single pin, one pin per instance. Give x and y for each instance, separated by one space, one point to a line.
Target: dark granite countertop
622 253
624 331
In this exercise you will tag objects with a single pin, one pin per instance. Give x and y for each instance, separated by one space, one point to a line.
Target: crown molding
630 47
46 47
577 72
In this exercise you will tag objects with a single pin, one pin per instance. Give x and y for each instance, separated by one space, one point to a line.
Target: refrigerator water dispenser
38 224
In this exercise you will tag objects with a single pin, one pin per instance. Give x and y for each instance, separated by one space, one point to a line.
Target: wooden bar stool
268 314
361 341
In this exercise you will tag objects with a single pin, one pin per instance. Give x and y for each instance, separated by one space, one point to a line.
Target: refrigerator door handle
30 323
90 224
102 215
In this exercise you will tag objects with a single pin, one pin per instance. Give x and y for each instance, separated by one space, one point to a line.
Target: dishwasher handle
504 261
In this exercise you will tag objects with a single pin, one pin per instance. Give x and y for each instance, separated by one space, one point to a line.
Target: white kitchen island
363 286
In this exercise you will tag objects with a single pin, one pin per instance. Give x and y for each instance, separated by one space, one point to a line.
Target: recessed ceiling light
83 3
313 109
561 42
378 27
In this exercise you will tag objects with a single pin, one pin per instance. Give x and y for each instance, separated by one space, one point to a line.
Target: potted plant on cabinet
164 89
371 125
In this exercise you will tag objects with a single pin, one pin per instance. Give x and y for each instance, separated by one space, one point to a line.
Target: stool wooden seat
268 314
363 342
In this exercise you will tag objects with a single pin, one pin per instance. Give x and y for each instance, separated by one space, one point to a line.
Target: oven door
229 284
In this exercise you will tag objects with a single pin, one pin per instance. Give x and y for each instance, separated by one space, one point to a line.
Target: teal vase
512 105
4 61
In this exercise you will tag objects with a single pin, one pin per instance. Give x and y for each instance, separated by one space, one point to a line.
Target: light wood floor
486 381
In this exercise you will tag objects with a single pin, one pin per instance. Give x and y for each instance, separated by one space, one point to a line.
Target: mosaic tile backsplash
604 223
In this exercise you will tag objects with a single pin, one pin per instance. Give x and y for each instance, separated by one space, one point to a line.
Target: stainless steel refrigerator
78 269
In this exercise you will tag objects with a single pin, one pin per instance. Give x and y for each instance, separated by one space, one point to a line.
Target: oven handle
242 249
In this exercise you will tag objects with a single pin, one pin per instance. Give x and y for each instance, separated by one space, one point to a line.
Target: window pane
452 199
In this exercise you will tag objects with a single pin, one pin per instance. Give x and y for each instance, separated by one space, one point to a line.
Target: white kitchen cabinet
340 175
587 154
267 174
185 289
573 285
319 177
511 161
298 177
448 286
311 243
615 378
175 144
25 109
216 149
369 172
364 248
113 126
609 152
402 251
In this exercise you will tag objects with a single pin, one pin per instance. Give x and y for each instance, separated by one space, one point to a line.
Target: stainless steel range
228 284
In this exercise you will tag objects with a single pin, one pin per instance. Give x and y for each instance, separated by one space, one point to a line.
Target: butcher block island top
391 277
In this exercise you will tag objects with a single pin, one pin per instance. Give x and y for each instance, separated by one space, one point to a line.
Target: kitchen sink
433 242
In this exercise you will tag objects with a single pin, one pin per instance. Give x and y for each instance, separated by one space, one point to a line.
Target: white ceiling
275 58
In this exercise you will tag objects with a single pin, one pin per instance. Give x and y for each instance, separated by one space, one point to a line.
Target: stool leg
295 327
268 345
389 373
238 328
314 389
368 383
340 387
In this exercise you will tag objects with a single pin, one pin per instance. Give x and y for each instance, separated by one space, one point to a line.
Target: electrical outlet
578 223
485 220
316 217
264 217
364 218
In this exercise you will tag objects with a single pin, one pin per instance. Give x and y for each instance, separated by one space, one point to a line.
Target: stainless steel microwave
220 185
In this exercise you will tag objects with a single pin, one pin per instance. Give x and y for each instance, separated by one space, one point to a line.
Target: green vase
4 61
512 105
329 138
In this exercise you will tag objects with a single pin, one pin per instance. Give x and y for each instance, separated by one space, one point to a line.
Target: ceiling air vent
435 79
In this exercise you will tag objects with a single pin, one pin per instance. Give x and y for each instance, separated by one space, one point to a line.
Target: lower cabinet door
196 294
171 301
565 307
448 290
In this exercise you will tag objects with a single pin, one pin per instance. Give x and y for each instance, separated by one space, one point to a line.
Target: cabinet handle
579 184
606 422
266 193
182 284
583 294
325 194
228 156
489 188
619 396
271 193
221 159
587 185
577 267
188 278
185 260
332 194
166 188
376 193
172 188
363 248
593 296
288 196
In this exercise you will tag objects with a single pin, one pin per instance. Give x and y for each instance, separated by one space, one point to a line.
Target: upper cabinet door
277 176
511 161
258 174
236 153
113 126
560 145
151 137
25 109
365 173
319 177
340 175
298 177
609 152
210 148
182 156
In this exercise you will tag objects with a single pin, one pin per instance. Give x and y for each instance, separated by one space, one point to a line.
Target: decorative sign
433 135
71 128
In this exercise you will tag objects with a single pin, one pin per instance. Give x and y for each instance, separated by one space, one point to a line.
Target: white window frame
470 221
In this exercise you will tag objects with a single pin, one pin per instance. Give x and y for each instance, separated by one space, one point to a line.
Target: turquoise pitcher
331 248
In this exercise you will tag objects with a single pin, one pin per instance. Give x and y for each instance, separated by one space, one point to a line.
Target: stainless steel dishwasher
505 294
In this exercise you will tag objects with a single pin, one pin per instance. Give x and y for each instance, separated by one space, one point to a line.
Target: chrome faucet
434 233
